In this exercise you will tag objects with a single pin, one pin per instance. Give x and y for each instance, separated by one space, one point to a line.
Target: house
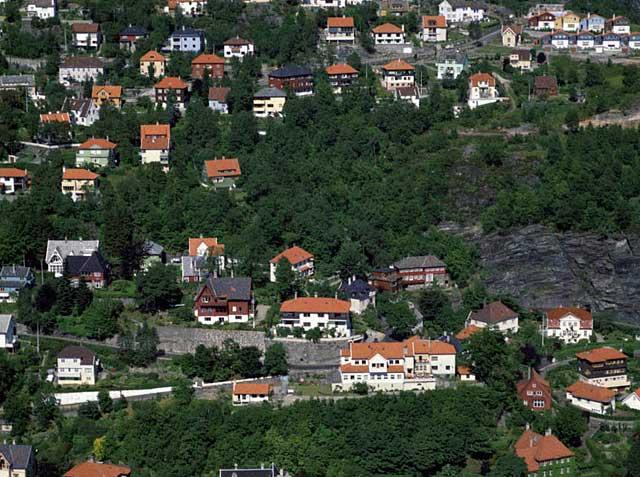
340 30
328 314
250 393
92 270
59 250
218 99
14 278
8 334
467 332
606 367
302 262
96 152
13 180
42 9
398 74
464 373
193 269
569 325
223 172
207 64
323 3
188 8
78 183
542 21
17 460
297 79
86 35
632 401
482 90
82 112
618 25
569 22
393 8
360 294
592 23
434 28
385 279
155 143
271 471
409 94
555 8
451 63
238 48
494 315
153 253
460 11
421 271
611 41
105 94
633 41
98 469
80 68
5 426
388 34
269 102
511 35
585 40
129 36
545 86
589 397
76 365
544 455
58 117
171 88
224 300
520 59
152 64
25 83
535 392
187 40
208 247
560 40
410 365
341 76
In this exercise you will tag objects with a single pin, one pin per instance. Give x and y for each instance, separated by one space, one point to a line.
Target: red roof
112 91
315 305
251 388
599 355
171 82
237 41
155 136
555 315
79 175
467 332
437 21
398 65
340 22
341 69
207 59
416 345
225 167
85 27
212 244
387 28
12 172
537 382
218 94
590 392
152 56
464 370
294 254
95 469
536 449
94 143
55 118
482 78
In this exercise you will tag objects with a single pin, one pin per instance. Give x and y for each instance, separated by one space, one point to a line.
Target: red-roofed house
223 172
86 35
482 90
152 64
434 28
301 262
172 86
542 21
96 469
78 183
467 332
606 367
388 34
633 400
250 393
592 398
544 455
494 315
96 152
535 392
205 246
308 313
218 99
238 48
569 325
340 30
209 63
341 76
13 180
55 118
155 143
398 74
191 8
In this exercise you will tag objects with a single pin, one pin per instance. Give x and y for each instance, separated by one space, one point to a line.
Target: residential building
633 41
545 455
92 270
105 94
593 23
153 253
238 48
467 332
569 325
393 8
152 64
208 247
398 74
421 271
611 41
340 30
511 35
76 366
193 269
482 90
13 180
341 76
460 11
224 300
495 315
207 64
618 25
171 88
188 8
556 8
543 21
464 373
269 102
43 9
410 94
302 262
59 250
222 173
410 365
186 40
18 83
98 469
388 34
434 28
155 144
250 393
360 294
297 79
218 99
632 401
96 152
77 183
86 35
129 36
569 22
324 3
17 460
8 335
5 426
14 278
520 60
271 471
329 314
82 112
451 63
80 68
606 367
535 392
561 40
589 397
585 40
385 279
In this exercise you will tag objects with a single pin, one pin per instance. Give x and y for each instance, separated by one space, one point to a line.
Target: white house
250 393
592 398
633 400
76 366
80 68
451 63
569 325
618 25
191 8
86 35
82 112
388 34
340 30
560 40
13 180
155 144
434 28
496 316
634 41
328 314
482 90
302 262
238 48
398 74
585 40
8 335
59 250
42 9
611 42
460 11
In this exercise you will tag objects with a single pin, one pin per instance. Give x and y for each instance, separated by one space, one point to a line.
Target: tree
360 388
572 120
286 280
633 458
570 425
509 466
89 410
313 334
475 31
123 249
432 303
101 319
105 402
7 376
399 318
157 288
494 362
183 392
275 360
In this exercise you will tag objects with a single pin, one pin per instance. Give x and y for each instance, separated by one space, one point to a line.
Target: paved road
545 369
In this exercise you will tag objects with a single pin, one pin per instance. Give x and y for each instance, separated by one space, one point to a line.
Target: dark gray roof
187 32
453 341
80 107
423 261
15 271
86 356
464 3
17 80
82 62
18 456
256 472
451 55
358 289
134 31
5 321
290 71
493 313
79 264
270 93
232 288
152 248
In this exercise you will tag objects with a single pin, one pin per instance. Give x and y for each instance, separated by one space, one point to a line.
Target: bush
360 388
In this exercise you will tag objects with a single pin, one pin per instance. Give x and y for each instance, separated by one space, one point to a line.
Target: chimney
262 465
527 426
235 466
296 295
402 26
547 432
315 294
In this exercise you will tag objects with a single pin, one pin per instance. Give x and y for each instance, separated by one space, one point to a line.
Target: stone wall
175 340
309 355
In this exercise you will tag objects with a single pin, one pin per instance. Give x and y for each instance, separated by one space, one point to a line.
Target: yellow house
78 182
107 94
152 61
511 35
568 22
269 102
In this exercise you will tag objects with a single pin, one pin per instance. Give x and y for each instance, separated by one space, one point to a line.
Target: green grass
118 289
313 390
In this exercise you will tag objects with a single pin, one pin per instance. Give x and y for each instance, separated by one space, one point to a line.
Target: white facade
569 330
152 156
633 400
327 3
585 43
461 14
41 9
304 268
449 69
560 43
244 399
389 38
617 381
482 92
621 29
8 335
634 42
592 406
505 326
324 321
612 44
59 250
87 40
239 51
190 8
396 79
71 372
65 75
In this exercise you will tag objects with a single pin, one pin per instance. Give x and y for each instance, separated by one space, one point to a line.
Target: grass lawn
118 289
312 389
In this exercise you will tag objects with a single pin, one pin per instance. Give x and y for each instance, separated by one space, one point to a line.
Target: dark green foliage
89 410
275 360
286 280
141 347
360 388
7 376
213 364
105 403
509 466
633 459
494 362
101 319
569 425
157 288
399 318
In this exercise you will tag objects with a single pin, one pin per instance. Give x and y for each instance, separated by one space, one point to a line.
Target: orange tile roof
341 69
554 316
598 355
171 82
207 59
590 392
398 65
85 27
315 305
387 28
212 244
251 388
395 368
155 136
467 332
94 143
12 172
225 167
55 118
294 254
352 368
536 449
340 22
399 350
95 469
416 345
152 56
112 91
482 78
79 175
464 370
438 21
